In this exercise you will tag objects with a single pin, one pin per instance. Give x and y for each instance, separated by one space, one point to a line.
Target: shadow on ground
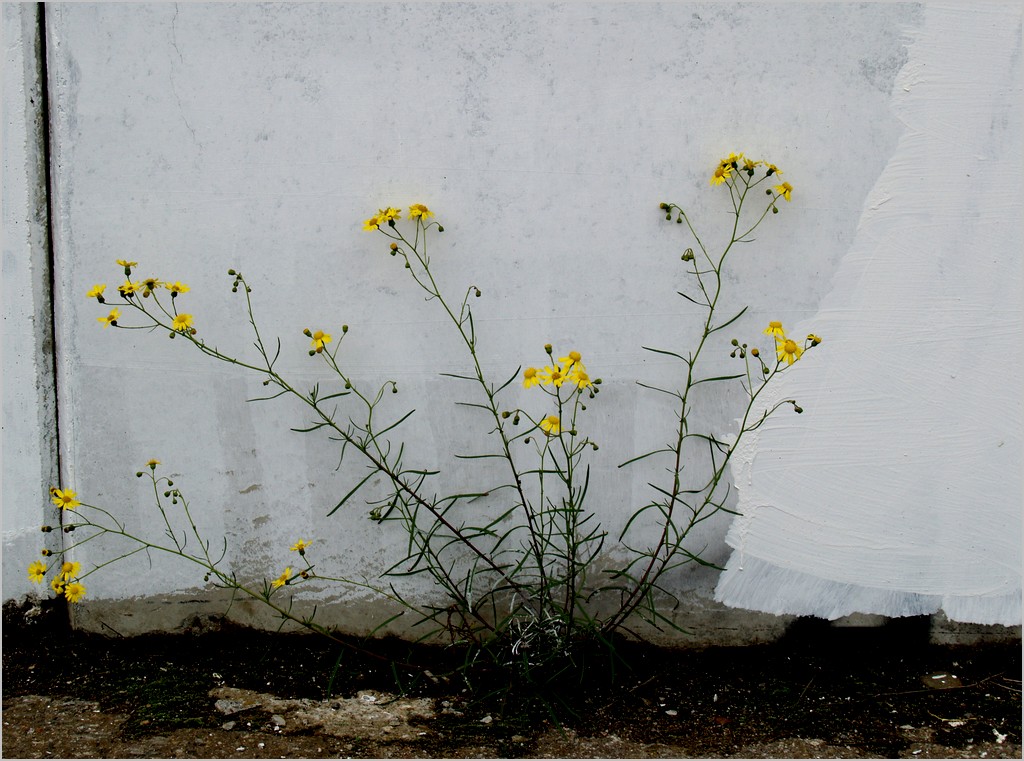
225 692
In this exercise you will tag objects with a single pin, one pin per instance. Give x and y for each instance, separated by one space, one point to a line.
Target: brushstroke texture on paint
898 492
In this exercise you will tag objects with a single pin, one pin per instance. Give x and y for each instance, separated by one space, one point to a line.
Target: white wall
29 425
194 138
916 423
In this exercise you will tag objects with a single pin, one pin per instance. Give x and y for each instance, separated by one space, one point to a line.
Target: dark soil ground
821 692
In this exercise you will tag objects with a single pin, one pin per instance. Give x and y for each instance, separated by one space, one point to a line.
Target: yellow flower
573 358
128 264
57 584
722 173
127 288
530 377
176 287
110 319
97 291
319 339
388 214
36 571
749 164
551 425
74 592
152 464
281 580
579 377
785 190
552 375
419 211
300 546
772 169
70 570
775 329
815 340
182 322
372 223
788 349
150 284
65 499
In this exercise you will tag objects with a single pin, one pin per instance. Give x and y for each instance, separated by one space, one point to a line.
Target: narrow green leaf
728 322
346 498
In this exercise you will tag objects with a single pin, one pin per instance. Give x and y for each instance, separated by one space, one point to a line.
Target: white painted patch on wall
898 492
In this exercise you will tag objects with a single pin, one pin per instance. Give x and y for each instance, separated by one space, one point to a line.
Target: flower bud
505 415
69 529
344 328
394 246
734 342
139 474
755 352
662 205
170 483
46 553
232 272
775 210
478 294
307 332
312 352
547 349
767 192
46 529
440 229
797 409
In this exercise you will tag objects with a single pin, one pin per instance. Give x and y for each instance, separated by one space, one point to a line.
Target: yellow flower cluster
182 323
731 163
571 369
390 214
65 583
788 350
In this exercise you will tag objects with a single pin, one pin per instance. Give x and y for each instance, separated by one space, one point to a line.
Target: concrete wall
194 138
29 400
